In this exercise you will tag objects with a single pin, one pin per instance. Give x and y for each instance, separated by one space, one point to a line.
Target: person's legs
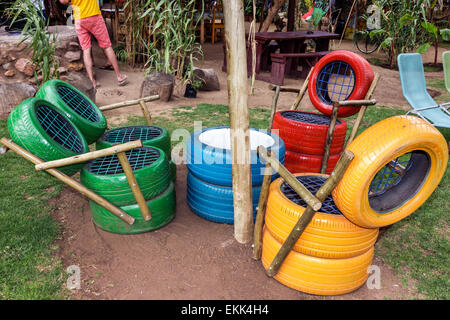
88 63
101 34
84 36
109 53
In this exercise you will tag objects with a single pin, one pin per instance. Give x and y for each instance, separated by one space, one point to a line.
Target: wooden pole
298 187
346 23
145 112
284 88
89 156
274 107
291 15
261 209
329 139
128 103
70 182
308 214
302 92
145 211
239 119
362 111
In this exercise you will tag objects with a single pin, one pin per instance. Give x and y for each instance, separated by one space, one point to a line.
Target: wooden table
288 43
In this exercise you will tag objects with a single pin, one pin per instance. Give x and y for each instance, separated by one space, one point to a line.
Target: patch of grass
28 269
439 84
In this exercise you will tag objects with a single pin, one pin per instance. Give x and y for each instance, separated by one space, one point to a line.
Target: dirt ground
191 258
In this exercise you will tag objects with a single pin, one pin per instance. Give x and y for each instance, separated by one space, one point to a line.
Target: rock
11 57
10 73
77 67
158 83
65 34
6 66
74 46
13 93
81 82
209 79
62 70
25 66
72 56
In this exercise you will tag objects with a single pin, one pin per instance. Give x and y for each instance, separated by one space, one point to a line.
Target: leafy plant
169 44
401 30
42 44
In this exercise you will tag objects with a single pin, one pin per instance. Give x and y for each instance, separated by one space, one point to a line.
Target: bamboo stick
362 111
239 119
145 211
284 89
89 156
329 139
308 214
274 107
357 103
70 182
298 187
302 92
145 112
259 221
128 103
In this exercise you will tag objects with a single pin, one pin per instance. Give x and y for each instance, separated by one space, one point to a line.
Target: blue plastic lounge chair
446 64
414 89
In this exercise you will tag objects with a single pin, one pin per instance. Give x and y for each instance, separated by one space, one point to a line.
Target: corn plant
162 34
42 44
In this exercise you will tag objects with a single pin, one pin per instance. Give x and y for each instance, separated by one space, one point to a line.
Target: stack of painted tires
151 136
340 75
209 181
332 255
398 164
304 135
105 177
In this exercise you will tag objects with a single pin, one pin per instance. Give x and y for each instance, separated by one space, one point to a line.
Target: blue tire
214 202
212 163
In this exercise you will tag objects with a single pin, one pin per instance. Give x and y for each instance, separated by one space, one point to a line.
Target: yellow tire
400 161
314 275
328 235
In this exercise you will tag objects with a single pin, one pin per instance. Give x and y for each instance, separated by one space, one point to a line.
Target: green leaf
430 28
445 34
423 48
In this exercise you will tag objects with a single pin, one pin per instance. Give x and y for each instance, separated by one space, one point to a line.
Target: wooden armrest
284 89
356 103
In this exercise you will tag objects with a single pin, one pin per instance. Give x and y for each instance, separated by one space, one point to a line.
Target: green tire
105 176
76 106
162 209
39 127
151 136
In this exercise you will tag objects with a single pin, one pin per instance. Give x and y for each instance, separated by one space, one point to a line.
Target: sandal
123 82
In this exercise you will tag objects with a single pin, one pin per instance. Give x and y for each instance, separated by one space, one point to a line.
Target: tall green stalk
42 44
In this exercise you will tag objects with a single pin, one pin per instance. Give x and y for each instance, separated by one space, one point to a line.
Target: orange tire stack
332 255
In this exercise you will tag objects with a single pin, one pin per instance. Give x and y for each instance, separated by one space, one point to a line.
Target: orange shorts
95 26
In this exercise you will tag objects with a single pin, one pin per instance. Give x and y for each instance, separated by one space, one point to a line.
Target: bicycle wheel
365 44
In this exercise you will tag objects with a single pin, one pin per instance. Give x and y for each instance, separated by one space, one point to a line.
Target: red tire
306 132
305 163
340 75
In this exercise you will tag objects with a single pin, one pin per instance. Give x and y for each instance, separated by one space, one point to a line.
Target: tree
273 10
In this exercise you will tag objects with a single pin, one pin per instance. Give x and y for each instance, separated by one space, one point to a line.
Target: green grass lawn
28 267
417 247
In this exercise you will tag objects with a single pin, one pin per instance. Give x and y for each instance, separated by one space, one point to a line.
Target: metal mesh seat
59 129
127 134
138 158
78 103
335 82
312 183
307 117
